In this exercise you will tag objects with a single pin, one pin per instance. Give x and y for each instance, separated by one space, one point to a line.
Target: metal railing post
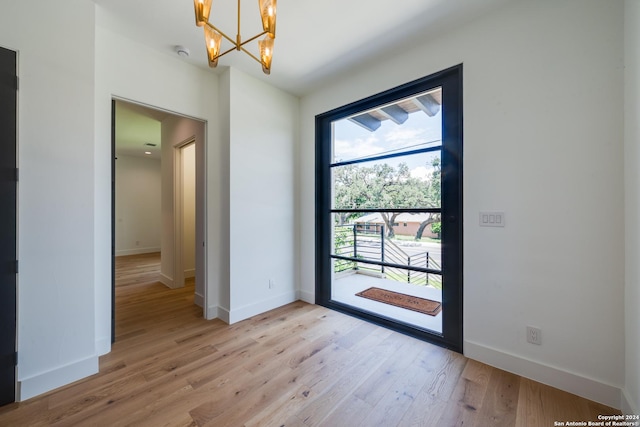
355 246
427 266
382 246
408 271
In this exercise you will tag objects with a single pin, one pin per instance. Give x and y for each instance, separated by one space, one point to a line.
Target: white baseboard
103 346
629 407
198 299
212 313
241 313
307 296
573 383
167 281
190 273
137 251
42 383
222 314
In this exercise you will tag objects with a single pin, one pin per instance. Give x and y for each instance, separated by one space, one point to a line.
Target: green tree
349 191
378 186
342 241
436 228
434 193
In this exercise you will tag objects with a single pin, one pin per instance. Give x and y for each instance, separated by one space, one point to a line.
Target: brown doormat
409 302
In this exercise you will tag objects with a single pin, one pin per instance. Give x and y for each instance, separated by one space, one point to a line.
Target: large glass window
388 223
385 179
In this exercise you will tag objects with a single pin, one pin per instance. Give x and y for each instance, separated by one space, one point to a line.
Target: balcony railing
366 248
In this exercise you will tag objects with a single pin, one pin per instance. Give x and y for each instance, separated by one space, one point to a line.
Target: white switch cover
492 219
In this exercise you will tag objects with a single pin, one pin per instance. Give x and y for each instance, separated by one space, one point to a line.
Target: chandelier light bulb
268 15
266 53
212 42
202 9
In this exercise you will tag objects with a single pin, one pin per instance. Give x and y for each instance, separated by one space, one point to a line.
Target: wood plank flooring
297 366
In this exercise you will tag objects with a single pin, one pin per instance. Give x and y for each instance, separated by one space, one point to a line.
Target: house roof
398 112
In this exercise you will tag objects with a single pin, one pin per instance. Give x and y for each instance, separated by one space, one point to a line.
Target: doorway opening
389 208
184 222
158 203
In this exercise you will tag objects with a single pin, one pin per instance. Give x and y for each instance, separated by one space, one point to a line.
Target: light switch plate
491 219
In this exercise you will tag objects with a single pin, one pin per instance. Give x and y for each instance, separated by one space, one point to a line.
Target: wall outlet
534 335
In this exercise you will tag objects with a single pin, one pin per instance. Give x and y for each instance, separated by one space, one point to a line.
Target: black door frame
113 221
451 181
8 224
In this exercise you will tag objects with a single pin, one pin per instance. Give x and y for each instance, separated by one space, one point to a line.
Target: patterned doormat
421 305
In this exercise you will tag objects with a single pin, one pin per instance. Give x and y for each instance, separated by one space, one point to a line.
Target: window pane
367 237
405 125
401 182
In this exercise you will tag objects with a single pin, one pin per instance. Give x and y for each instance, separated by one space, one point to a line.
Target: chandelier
213 36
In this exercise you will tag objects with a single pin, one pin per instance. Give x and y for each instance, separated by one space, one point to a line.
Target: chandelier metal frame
213 35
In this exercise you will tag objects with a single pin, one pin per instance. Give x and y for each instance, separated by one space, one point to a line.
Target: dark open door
8 224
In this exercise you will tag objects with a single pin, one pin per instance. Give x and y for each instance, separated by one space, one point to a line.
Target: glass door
388 218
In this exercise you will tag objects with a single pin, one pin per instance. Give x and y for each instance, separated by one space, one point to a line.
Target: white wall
56 334
543 108
65 189
263 135
631 402
189 210
175 131
222 226
138 189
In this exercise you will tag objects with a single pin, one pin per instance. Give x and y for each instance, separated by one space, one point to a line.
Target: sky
352 141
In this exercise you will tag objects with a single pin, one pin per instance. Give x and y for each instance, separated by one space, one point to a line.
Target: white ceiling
137 126
315 40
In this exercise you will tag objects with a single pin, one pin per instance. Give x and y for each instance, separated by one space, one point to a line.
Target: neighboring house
406 224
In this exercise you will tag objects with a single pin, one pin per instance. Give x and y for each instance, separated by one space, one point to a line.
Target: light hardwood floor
299 365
